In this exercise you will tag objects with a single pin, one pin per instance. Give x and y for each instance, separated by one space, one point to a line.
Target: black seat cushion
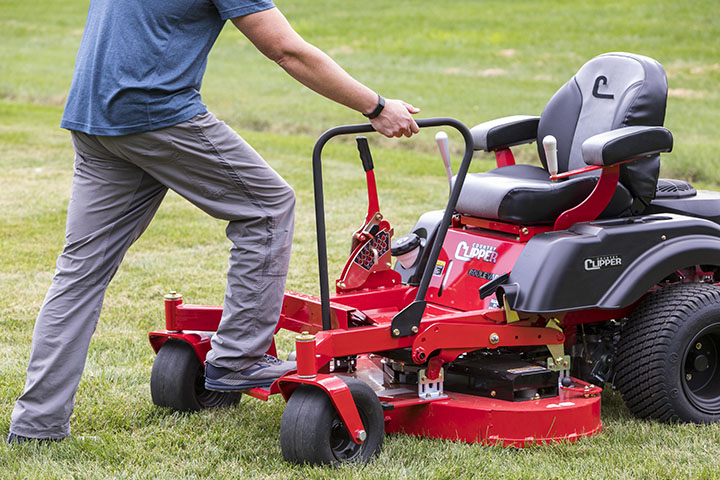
525 195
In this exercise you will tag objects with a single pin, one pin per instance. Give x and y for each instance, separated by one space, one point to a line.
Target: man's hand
396 120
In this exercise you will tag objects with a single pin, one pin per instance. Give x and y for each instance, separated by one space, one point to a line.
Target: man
138 128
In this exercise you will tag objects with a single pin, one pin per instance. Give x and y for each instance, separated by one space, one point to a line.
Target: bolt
663 238
414 329
524 231
559 360
493 393
698 346
341 284
688 377
305 337
494 338
396 332
361 435
388 264
378 216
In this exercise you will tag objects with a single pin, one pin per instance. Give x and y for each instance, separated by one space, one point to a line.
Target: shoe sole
14 439
218 386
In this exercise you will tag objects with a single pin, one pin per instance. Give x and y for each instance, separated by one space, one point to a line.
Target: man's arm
271 33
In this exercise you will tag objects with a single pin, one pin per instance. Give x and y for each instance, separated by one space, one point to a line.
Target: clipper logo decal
439 268
602 79
601 263
465 252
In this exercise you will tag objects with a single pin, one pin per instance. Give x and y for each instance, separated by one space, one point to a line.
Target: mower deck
567 417
474 419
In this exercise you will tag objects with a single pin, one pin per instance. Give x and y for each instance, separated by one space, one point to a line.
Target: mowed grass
468 59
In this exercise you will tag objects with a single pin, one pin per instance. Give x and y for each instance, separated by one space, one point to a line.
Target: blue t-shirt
141 62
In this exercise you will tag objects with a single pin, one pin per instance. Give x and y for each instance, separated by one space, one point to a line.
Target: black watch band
378 108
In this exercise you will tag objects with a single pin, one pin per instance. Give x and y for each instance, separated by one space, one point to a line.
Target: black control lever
490 287
365 155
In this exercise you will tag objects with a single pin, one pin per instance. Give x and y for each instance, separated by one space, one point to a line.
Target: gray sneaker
262 374
14 438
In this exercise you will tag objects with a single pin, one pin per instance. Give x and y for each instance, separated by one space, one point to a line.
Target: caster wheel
178 381
669 355
312 431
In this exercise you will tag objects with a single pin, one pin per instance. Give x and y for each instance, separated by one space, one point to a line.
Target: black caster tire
311 430
668 359
177 381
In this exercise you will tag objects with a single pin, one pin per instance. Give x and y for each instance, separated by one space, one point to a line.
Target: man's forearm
317 71
270 32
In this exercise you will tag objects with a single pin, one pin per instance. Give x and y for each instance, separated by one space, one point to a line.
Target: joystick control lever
550 146
442 141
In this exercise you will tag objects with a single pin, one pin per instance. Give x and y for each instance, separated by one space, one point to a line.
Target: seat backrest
610 91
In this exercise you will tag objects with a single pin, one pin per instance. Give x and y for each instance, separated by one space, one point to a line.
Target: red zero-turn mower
504 315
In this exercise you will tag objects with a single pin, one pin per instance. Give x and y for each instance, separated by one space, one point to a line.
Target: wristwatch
378 108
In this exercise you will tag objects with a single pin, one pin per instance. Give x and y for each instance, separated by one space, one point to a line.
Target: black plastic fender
607 264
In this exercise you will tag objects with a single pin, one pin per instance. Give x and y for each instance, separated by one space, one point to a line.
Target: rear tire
312 431
668 359
178 381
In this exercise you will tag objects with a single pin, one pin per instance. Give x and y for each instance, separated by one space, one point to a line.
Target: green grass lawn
468 59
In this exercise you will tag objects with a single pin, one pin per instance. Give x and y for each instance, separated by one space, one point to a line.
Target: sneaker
262 374
14 438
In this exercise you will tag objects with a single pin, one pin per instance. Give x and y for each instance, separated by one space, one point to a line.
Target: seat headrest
610 91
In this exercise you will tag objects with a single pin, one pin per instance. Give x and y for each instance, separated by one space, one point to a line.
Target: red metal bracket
339 394
523 233
300 312
586 391
577 171
504 157
198 341
434 366
467 337
595 203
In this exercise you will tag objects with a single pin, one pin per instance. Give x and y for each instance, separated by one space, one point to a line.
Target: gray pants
118 185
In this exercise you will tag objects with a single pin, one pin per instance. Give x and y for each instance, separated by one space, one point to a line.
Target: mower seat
610 92
525 195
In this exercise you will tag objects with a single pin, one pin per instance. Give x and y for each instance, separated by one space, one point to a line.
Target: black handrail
402 324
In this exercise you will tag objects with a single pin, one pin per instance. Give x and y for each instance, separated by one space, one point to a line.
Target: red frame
448 329
444 332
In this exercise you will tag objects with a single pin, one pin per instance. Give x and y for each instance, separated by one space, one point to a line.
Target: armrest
625 144
505 132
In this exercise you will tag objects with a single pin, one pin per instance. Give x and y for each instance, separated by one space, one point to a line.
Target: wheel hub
702 370
701 363
343 447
